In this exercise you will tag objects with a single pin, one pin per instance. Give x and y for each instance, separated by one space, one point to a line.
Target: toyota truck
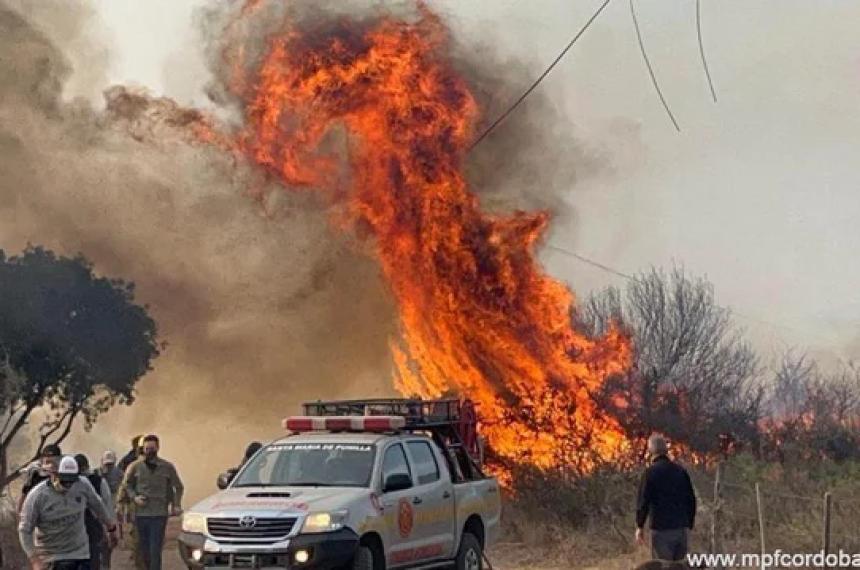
355 485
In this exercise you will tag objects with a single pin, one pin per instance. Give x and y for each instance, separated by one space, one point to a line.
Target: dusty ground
504 557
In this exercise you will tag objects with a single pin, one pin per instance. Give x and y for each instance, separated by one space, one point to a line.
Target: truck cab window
394 463
426 468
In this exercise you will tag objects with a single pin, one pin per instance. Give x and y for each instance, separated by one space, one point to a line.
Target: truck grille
249 528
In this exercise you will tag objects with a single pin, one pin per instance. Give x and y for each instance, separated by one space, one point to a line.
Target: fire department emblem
405 518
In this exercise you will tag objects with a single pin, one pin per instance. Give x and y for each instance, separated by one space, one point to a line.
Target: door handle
417 500
446 495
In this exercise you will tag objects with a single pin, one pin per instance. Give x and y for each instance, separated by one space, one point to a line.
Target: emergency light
344 423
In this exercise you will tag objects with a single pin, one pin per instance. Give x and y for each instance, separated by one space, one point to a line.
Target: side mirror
225 478
397 482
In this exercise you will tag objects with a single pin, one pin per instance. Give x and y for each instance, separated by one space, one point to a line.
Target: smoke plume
261 303
259 311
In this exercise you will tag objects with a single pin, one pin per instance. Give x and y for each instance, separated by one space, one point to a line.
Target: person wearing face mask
49 460
110 472
95 532
52 529
112 475
126 507
155 489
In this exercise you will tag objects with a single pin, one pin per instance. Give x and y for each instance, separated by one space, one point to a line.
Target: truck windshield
310 465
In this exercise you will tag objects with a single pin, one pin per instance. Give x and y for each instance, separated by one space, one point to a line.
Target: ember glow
374 114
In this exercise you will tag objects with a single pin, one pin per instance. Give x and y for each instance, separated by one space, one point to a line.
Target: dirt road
504 557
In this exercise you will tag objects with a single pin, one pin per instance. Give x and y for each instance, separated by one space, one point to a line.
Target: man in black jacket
666 494
48 463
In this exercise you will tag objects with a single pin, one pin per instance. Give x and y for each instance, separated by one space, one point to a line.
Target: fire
477 314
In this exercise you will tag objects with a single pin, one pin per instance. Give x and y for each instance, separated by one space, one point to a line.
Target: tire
470 555
363 559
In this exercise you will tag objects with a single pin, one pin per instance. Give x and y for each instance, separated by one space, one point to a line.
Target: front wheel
470 555
363 559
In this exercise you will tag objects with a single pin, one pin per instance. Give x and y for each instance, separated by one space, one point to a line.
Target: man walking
110 472
49 461
133 454
56 509
666 494
126 507
155 489
95 532
112 475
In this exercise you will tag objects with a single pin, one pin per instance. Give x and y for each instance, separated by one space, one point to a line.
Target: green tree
72 345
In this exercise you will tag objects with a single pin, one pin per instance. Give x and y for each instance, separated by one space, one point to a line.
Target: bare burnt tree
813 414
694 377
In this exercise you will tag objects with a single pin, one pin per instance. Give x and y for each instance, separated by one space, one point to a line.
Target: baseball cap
68 470
109 457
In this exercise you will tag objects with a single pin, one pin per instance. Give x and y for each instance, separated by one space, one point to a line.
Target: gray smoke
263 304
261 309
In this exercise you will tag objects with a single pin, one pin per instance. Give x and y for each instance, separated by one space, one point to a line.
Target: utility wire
629 277
590 262
546 72
651 69
702 49
549 69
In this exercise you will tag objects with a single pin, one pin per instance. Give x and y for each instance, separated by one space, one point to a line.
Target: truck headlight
328 521
194 523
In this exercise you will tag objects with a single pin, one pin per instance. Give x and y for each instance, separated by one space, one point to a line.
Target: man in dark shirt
49 462
666 494
133 454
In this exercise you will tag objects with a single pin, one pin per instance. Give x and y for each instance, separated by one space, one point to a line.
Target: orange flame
477 314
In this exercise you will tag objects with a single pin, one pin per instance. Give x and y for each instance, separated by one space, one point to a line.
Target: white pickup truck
354 492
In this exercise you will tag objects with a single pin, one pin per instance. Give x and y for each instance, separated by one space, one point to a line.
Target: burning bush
812 414
694 377
371 114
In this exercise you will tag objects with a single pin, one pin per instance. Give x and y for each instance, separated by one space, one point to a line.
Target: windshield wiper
309 484
236 486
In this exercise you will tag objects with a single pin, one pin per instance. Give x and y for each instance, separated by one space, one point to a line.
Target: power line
630 277
702 48
549 69
651 69
546 72
590 262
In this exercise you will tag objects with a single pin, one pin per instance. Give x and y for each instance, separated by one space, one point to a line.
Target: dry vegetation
589 522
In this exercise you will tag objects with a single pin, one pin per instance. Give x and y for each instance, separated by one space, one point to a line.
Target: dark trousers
68 565
150 537
669 544
106 553
97 543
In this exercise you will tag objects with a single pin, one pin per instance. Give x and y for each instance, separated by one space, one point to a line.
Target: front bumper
325 551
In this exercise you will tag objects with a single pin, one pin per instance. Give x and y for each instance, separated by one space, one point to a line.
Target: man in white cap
112 475
52 530
110 472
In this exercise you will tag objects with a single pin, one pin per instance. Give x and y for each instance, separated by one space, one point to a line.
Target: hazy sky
758 191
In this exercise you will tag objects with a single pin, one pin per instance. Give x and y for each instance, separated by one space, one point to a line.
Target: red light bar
344 423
